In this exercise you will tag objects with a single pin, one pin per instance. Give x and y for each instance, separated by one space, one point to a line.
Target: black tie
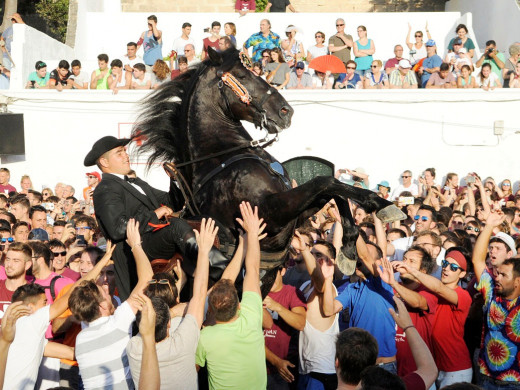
130 179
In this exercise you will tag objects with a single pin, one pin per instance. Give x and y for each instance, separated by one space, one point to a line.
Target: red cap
459 258
94 174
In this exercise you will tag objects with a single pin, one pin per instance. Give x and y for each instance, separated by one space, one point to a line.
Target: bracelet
136 245
408 327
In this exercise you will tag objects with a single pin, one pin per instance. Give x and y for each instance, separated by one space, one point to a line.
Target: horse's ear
214 56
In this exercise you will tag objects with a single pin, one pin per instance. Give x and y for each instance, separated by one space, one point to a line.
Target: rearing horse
194 121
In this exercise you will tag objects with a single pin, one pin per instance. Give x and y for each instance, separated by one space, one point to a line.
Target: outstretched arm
494 219
150 375
434 285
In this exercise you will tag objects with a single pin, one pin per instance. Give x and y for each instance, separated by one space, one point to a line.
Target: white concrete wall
383 131
498 20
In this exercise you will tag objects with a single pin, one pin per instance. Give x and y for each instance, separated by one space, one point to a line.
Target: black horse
194 121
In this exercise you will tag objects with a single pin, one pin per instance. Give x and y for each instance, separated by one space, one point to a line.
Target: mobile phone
406 200
206 30
446 188
81 240
470 179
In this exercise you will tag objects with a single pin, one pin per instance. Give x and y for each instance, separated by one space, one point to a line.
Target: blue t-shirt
430 62
352 83
368 302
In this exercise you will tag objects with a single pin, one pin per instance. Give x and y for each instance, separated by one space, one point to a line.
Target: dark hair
35 209
463 251
182 60
377 248
186 24
29 293
140 66
491 42
377 378
95 253
356 349
351 62
162 317
330 248
466 67
55 243
75 63
486 65
451 237
163 290
84 301
461 26
152 17
278 51
430 209
39 65
462 386
39 249
37 195
91 222
223 300
12 218
444 66
18 224
320 32
431 170
21 199
444 215
102 57
215 24
117 63
515 262
64 64
53 199
427 263
131 44
60 223
398 231
6 228
22 247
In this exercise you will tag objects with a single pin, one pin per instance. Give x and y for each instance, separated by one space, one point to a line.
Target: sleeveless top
103 83
464 81
318 349
420 54
152 49
363 63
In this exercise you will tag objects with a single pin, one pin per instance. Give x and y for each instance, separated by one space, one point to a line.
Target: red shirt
5 298
245 5
449 349
207 43
423 322
278 337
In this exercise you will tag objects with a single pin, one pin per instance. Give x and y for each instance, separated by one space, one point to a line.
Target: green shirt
235 351
494 66
42 82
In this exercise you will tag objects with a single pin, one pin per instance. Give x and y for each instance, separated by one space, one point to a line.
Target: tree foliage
260 5
56 14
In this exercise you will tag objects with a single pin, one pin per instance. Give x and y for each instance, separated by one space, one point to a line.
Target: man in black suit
117 198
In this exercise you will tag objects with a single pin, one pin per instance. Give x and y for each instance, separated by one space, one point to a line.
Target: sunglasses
318 36
454 267
418 36
56 254
506 184
471 228
423 218
351 67
4 240
339 25
83 228
161 281
373 66
267 56
405 177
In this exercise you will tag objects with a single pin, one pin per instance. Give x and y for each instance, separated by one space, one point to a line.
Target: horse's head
245 95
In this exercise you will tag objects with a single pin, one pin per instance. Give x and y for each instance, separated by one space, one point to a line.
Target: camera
206 30
490 50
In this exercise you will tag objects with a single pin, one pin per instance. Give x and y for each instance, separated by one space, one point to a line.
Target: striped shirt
396 80
101 351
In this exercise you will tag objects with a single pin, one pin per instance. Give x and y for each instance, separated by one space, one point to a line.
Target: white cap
506 239
405 64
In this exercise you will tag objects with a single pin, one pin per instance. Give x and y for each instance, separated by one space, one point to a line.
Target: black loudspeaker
12 139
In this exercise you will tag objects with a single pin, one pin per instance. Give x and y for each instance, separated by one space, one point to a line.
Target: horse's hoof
390 214
346 266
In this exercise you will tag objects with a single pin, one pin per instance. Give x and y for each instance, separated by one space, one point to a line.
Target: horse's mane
162 122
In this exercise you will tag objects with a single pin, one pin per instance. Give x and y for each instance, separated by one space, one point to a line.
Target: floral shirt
501 337
260 43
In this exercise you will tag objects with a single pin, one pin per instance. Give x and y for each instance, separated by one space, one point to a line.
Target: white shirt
136 60
180 43
81 78
414 189
122 177
26 351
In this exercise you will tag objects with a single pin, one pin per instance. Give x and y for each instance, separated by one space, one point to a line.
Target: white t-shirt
81 79
318 51
491 81
136 60
316 81
26 351
147 77
180 43
414 189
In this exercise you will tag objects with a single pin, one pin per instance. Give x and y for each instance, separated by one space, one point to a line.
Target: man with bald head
189 52
265 39
340 44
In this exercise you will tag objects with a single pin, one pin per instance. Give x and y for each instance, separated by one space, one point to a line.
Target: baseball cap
300 65
94 174
430 43
39 65
405 64
506 239
457 41
384 183
39 234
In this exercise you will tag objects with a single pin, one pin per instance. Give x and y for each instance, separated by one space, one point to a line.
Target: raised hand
495 218
206 236
387 272
147 323
11 315
327 269
298 242
250 221
133 237
402 317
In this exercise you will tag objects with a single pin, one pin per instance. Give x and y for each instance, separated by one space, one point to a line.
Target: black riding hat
102 146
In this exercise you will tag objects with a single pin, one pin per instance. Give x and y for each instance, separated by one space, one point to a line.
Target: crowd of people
285 63
432 300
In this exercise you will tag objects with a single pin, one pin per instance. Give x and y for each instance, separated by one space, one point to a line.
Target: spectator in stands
5 176
278 6
452 56
299 79
161 74
5 76
25 184
376 78
443 78
180 43
151 41
493 57
244 7
499 367
189 50
340 44
131 58
230 29
35 198
16 264
266 58
322 80
431 63
392 63
277 70
510 63
363 50
258 69
293 50
117 79
488 80
6 40
265 39
212 40
403 77
79 78
59 263
86 226
461 30
351 79
20 207
39 78
59 77
418 48
21 231
99 78
463 59
466 79
240 331
183 67
406 185
38 217
225 43
514 78
141 79
383 189
319 49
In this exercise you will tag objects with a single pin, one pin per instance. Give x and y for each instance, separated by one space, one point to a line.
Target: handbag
271 75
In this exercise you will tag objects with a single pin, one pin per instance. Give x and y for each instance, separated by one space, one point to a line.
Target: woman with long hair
230 29
278 72
487 79
466 80
461 30
161 72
